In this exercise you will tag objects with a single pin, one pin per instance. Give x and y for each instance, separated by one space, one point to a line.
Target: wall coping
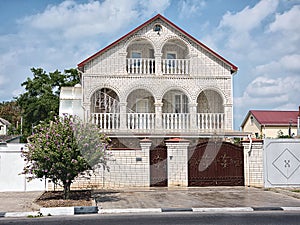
253 140
177 140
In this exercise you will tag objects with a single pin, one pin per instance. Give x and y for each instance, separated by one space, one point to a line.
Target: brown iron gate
158 166
216 163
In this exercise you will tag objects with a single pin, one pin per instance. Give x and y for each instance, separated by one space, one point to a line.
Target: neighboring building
4 124
156 81
268 123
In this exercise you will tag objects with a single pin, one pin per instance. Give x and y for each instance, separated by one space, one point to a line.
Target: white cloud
188 8
64 34
249 18
269 93
287 21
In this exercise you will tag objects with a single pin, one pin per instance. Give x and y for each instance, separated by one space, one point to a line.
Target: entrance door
158 166
216 164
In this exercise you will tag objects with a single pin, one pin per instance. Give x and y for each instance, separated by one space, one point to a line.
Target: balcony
175 66
140 66
168 66
146 122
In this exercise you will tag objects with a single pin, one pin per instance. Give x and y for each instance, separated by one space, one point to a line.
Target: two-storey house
155 81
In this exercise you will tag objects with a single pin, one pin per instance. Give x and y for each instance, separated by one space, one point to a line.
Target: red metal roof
158 16
268 117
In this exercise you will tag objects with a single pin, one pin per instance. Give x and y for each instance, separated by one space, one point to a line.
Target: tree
40 101
62 149
12 113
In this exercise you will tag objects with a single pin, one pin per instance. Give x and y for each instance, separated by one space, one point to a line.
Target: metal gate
158 166
216 163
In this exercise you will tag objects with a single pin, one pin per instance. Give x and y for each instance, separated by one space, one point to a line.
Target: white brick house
156 80
153 84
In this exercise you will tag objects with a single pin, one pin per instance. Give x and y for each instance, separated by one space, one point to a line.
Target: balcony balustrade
170 121
147 66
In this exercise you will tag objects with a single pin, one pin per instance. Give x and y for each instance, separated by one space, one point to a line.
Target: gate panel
216 164
158 167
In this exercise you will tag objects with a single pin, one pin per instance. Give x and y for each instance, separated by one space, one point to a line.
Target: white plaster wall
11 165
282 162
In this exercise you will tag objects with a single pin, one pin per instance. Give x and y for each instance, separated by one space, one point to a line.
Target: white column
228 120
123 114
158 63
145 146
87 110
177 162
193 115
158 114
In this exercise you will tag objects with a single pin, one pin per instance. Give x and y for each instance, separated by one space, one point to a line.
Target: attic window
251 120
157 28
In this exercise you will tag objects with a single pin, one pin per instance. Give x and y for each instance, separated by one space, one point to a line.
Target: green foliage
40 101
62 149
12 113
281 135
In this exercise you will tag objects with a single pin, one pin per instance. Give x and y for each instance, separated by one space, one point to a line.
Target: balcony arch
140 110
175 57
105 109
175 110
210 110
140 56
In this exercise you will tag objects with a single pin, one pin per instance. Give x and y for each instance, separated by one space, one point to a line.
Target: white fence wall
11 165
282 162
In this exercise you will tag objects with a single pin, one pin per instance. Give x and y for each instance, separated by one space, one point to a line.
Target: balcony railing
175 121
140 65
106 121
175 66
141 121
169 121
210 121
147 66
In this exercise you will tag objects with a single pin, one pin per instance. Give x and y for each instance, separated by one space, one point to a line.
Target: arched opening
140 110
210 110
175 110
175 57
105 109
140 57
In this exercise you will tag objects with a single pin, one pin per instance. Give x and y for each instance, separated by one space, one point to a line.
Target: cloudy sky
262 38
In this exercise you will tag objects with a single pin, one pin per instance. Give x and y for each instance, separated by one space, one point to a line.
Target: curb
79 210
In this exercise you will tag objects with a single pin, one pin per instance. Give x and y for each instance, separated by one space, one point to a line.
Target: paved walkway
19 201
212 197
195 198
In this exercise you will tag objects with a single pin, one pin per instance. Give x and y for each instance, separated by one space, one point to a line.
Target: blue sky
262 38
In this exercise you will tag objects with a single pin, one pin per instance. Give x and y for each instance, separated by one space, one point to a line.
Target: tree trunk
67 188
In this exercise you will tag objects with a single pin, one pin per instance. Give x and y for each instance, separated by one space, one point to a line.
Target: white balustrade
175 66
106 121
140 66
210 121
176 121
170 121
141 121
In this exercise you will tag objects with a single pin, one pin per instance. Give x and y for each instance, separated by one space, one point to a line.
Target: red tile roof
158 16
268 117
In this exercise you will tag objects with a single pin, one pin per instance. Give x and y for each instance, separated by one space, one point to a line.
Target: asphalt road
257 218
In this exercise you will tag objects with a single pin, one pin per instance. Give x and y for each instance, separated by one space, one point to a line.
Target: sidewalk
165 199
207 197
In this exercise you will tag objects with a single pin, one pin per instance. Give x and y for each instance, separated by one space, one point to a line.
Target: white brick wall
253 163
177 163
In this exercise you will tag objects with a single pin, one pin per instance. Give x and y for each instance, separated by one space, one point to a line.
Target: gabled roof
270 117
158 16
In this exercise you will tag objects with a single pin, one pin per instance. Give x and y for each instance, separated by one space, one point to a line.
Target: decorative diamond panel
287 163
